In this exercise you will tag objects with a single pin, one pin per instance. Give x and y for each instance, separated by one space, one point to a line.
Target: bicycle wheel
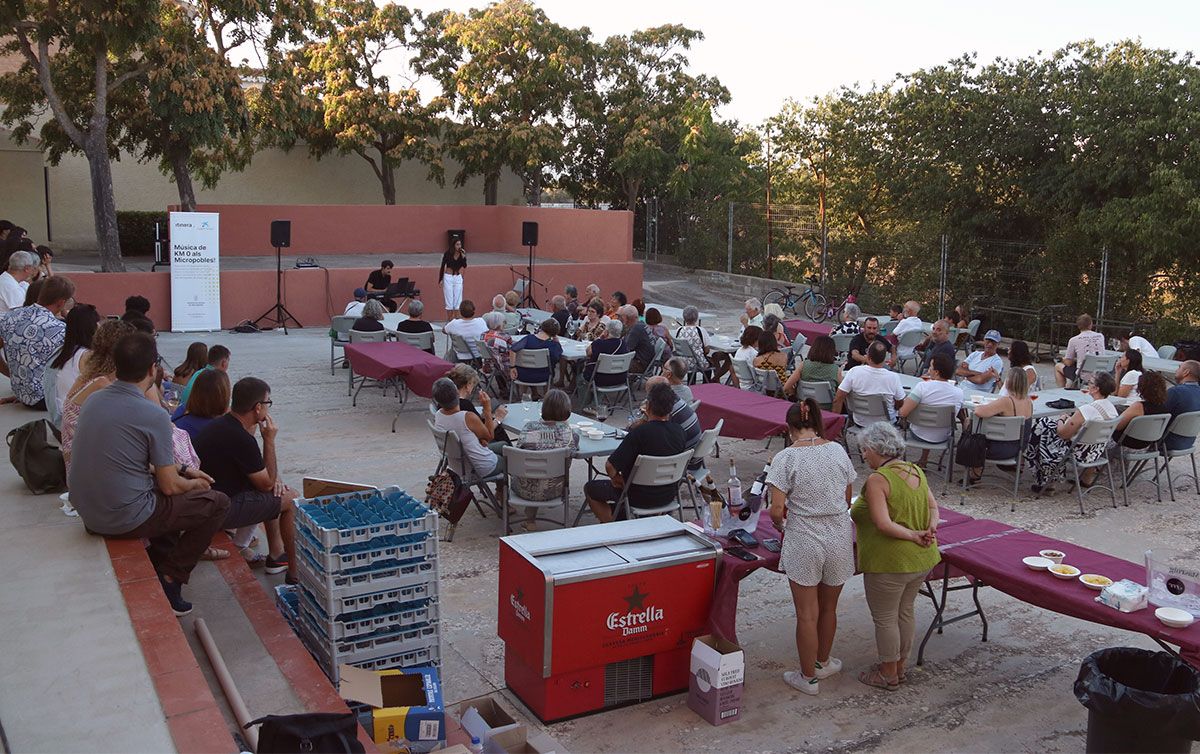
775 296
815 308
793 304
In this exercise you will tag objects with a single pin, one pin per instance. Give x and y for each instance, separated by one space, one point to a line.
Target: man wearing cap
981 370
355 307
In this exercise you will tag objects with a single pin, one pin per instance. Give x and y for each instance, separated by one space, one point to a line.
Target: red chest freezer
599 616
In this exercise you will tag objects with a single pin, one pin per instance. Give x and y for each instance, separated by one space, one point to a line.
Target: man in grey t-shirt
120 436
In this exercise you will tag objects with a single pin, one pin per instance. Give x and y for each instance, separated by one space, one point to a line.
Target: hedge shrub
137 232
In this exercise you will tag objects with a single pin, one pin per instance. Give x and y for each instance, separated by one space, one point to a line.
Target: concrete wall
564 234
312 295
23 188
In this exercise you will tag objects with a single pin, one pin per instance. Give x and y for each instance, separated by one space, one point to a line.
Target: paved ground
1012 693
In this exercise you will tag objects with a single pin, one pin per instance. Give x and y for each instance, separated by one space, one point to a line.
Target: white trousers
452 290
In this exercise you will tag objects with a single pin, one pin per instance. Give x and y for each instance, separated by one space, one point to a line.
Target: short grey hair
593 289
373 309
614 328
691 315
852 312
628 311
494 320
556 404
498 302
753 303
677 367
415 308
883 438
558 302
22 260
444 394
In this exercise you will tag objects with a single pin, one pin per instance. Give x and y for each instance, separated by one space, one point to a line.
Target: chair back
1093 432
613 363
1150 428
459 345
1185 425
422 340
745 374
769 379
932 417
841 341
659 471
1002 428
533 358
911 338
708 441
868 409
694 405
340 327
973 328
537 464
1098 362
819 391
1166 352
683 350
660 348
358 336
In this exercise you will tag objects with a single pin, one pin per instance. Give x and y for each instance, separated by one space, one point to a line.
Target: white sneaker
802 683
828 668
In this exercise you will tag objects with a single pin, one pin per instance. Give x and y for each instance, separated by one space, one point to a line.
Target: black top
379 280
561 317
416 326
366 324
654 438
946 347
605 345
859 343
451 264
229 454
465 404
638 341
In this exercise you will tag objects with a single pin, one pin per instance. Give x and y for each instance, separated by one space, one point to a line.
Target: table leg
939 620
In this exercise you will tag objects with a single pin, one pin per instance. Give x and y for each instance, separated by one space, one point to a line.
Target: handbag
35 451
447 496
316 732
971 450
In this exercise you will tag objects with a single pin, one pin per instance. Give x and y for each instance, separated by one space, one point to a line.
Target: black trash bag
1139 700
315 732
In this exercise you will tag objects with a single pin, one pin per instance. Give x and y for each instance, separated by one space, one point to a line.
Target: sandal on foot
875 677
214 553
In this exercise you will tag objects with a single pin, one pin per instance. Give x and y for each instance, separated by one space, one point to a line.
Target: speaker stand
278 315
528 300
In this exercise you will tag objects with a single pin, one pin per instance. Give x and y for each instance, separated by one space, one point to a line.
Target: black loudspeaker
529 234
281 233
457 235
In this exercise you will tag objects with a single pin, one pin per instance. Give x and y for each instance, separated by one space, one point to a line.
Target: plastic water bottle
476 747
734 488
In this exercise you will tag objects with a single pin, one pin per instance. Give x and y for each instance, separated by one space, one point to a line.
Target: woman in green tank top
895 519
818 366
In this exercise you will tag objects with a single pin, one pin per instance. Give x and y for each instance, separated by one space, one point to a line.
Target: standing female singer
450 276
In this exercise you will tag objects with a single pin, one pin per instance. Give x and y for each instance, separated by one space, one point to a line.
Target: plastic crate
414 658
384 642
336 605
379 552
336 521
332 587
287 599
383 618
414 646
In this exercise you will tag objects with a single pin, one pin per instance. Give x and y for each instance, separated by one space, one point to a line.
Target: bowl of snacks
1174 617
1037 562
1063 571
1054 555
1095 581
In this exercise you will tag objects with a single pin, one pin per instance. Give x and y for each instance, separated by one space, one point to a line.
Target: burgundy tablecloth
751 416
722 616
384 361
992 552
810 330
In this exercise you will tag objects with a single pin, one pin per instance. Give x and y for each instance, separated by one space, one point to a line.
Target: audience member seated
6 227
939 342
935 390
610 343
772 359
15 280
209 400
637 339
872 378
1013 401
1049 436
675 370
558 309
475 437
654 324
593 327
35 289
681 414
1152 399
695 336
378 282
849 324
571 293
546 337
615 302
45 266
656 436
218 358
125 483
499 304
371 319
512 317
591 293
195 360
1129 370
820 366
30 337
230 455
861 342
81 324
97 372
961 317
467 326
753 313
136 307
355 307
500 342
910 323
1183 398
774 325
551 432
466 379
1088 341
1019 357
980 371
747 351
1133 340
414 323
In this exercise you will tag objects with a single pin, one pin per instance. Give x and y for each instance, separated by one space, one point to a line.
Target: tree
512 73
330 92
76 55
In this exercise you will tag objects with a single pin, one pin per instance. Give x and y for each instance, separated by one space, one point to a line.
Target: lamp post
770 263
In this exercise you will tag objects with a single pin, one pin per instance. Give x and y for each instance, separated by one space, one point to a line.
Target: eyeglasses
265 403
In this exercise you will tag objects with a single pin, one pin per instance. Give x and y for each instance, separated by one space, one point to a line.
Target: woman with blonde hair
96 372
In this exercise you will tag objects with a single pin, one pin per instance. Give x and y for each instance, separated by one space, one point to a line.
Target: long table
810 330
397 364
749 415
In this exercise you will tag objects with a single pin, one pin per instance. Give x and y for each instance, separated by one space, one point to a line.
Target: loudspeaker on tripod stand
529 233
278 315
281 233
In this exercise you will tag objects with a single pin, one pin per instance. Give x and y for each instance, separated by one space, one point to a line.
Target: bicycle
816 306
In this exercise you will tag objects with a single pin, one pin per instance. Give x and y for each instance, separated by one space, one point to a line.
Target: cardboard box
718 673
406 705
495 728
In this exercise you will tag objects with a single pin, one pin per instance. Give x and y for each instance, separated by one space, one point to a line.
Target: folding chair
933 419
1166 352
454 459
1000 429
422 340
536 464
653 368
612 364
339 336
1149 428
357 336
684 350
841 342
819 391
865 410
497 377
459 345
909 340
768 379
966 340
1094 363
703 449
1090 433
655 471
747 379
1184 425
530 358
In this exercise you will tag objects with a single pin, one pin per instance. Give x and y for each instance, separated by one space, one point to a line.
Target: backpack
446 495
971 450
35 450
317 732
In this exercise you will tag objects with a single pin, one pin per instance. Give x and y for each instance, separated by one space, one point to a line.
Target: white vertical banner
195 272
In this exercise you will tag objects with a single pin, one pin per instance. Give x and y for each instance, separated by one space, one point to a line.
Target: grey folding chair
909 340
1094 363
865 410
422 340
1000 429
612 364
684 350
496 368
375 336
655 471
966 340
458 346
703 449
530 358
339 336
1092 432
769 380
841 342
1148 428
747 379
454 459
536 464
819 391
653 368
1166 352
1184 425
933 419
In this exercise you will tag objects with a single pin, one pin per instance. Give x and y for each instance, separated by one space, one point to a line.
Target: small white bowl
1071 572
1174 617
1055 555
584 424
1097 587
1037 562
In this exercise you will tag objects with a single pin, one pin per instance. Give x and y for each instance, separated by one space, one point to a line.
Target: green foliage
137 231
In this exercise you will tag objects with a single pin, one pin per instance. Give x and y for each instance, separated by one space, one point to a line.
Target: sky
766 52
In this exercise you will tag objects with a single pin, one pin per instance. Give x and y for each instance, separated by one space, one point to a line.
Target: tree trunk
533 188
104 205
183 179
632 189
491 189
388 178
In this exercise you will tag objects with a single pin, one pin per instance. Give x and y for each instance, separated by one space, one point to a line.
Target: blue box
407 709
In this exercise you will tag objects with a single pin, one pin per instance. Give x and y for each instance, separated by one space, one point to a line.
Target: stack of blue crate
368 580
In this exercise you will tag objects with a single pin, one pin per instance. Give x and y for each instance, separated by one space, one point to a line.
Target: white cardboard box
718 673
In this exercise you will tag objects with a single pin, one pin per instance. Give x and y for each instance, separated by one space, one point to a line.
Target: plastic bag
1155 691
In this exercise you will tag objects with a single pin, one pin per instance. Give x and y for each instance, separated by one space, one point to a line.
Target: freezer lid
592 559
541 543
681 544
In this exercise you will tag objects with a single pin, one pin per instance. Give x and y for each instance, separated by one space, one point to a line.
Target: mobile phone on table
772 545
742 553
743 538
